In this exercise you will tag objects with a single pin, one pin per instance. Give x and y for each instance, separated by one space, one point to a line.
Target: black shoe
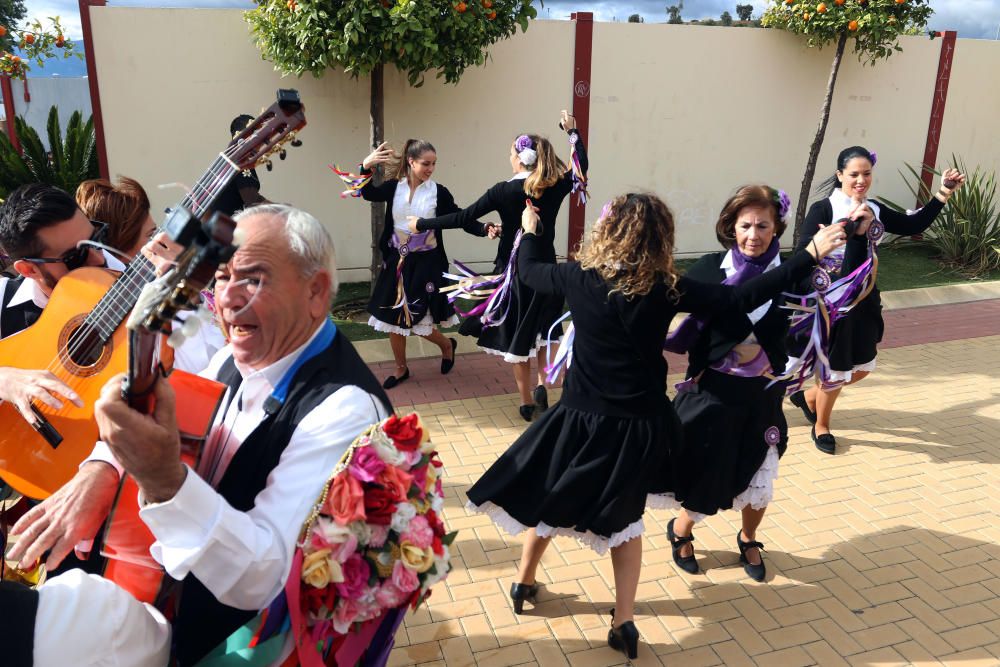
527 412
624 638
686 563
798 399
755 572
541 397
448 364
825 442
392 380
521 592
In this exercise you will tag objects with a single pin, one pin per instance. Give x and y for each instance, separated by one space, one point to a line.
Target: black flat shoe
825 442
624 638
392 380
521 592
527 412
448 364
687 563
798 399
541 397
755 572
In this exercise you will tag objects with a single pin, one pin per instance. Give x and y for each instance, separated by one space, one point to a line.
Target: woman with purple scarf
734 429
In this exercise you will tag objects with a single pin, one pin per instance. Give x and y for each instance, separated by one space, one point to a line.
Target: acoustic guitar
79 337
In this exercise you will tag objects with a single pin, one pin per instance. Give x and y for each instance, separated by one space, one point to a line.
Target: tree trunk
817 144
376 117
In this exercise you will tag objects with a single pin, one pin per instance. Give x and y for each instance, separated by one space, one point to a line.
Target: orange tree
37 43
874 26
362 37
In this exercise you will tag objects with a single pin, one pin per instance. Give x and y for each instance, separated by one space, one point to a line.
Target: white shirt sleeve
244 558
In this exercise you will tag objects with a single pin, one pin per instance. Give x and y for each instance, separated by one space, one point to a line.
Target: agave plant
69 161
966 235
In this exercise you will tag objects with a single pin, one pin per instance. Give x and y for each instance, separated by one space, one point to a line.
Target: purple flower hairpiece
783 201
523 142
874 157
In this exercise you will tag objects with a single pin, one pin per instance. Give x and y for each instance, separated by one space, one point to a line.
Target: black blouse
618 365
507 199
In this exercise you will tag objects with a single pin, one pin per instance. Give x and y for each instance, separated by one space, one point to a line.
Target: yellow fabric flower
319 571
385 561
417 559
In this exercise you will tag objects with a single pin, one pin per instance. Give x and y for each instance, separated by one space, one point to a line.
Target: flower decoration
374 542
874 157
523 142
782 201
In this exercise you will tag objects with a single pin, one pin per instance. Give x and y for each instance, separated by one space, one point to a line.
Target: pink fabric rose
389 596
420 478
419 533
356 573
343 551
346 502
366 464
345 612
379 535
404 578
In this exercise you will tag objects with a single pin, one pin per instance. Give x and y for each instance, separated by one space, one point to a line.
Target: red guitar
79 337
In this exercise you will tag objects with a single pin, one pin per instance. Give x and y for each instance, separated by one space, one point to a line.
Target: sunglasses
77 257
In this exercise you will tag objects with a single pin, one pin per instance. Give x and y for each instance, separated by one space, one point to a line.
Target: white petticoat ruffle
599 543
846 376
757 495
425 327
516 359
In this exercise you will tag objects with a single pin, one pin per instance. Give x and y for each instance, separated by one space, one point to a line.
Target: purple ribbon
685 335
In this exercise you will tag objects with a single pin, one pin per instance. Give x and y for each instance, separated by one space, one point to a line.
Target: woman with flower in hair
516 324
854 336
587 467
734 429
407 297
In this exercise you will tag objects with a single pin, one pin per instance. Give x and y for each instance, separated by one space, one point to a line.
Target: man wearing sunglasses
43 234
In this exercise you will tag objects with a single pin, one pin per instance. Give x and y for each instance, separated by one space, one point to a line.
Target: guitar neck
208 188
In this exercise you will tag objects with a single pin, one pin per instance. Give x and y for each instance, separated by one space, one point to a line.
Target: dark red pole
95 92
9 110
937 109
581 111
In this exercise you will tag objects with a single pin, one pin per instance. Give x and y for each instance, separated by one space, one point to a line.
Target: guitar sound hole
84 350
85 347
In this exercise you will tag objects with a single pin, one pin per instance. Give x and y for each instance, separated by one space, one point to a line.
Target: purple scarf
685 335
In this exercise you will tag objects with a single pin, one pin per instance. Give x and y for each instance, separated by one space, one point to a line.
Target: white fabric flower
402 516
528 157
387 450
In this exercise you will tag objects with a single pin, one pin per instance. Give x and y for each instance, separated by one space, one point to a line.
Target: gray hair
307 238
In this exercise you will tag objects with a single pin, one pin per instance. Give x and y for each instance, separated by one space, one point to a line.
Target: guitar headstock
267 134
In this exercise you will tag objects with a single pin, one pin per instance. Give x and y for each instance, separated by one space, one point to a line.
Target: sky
978 19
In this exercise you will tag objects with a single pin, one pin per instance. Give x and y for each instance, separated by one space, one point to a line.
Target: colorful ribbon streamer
564 357
354 183
579 178
494 291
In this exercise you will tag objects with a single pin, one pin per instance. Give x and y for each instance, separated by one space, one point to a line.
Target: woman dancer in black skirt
734 429
586 467
522 334
854 339
407 297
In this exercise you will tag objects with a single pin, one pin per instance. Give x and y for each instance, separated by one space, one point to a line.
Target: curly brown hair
760 196
632 245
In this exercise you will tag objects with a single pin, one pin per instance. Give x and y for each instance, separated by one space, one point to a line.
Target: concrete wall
68 93
690 112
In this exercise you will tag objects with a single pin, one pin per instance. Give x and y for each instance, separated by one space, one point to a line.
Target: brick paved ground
886 554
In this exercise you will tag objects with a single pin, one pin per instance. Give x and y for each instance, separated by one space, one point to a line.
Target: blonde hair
546 171
632 245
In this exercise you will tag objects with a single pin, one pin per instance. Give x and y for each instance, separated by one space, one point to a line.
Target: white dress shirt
243 558
423 204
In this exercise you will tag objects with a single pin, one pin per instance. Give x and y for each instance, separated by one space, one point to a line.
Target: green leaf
449 538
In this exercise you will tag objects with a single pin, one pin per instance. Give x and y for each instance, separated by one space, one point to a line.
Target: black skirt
579 474
526 328
422 282
854 339
728 424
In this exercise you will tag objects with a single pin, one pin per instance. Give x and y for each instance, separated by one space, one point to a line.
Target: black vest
203 622
725 331
14 319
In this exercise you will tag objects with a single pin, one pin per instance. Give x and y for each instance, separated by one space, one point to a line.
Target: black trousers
18 607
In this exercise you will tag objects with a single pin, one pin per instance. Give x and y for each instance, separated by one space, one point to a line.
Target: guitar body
32 464
127 539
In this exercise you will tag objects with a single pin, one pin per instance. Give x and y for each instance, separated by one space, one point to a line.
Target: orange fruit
16 59
491 15
838 2
821 8
29 38
461 7
487 3
852 26
60 41
788 2
3 31
805 17
899 2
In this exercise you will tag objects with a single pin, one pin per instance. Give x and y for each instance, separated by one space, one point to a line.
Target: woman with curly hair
586 467
734 429
521 332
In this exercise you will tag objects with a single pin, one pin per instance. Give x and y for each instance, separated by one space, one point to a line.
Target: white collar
729 267
520 176
406 183
272 374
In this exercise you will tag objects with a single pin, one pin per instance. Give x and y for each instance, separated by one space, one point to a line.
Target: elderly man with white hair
298 395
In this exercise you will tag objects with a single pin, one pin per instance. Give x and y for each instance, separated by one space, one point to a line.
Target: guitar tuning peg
282 154
176 339
269 165
190 327
296 142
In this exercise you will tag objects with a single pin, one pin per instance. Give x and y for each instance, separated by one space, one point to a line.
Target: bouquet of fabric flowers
373 545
